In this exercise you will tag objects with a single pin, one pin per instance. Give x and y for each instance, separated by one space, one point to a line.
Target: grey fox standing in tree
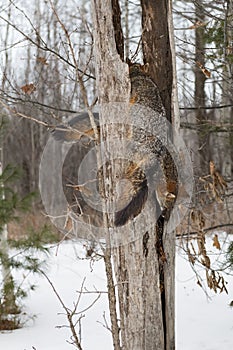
144 92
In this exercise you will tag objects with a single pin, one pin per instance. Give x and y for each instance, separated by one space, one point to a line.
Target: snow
202 322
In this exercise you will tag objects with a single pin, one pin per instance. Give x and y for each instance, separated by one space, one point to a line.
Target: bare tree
199 92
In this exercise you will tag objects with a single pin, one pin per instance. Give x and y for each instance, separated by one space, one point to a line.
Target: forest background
39 89
38 80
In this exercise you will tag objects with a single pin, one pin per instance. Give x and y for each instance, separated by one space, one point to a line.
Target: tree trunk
8 302
199 93
156 47
112 86
144 272
227 90
157 34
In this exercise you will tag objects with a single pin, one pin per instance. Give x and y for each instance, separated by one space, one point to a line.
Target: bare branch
105 324
206 107
45 47
78 75
19 114
12 99
211 228
68 312
208 126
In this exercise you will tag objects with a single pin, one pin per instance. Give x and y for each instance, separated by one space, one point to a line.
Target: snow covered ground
201 323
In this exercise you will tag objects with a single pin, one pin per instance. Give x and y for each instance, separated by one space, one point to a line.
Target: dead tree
144 267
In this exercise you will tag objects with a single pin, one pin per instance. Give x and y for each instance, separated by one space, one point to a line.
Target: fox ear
145 68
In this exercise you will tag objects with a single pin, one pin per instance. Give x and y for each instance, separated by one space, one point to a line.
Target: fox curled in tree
144 92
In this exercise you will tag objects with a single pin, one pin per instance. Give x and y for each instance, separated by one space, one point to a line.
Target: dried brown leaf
212 168
193 216
197 218
191 257
28 88
197 25
201 246
206 261
216 243
205 71
209 279
220 180
42 60
68 224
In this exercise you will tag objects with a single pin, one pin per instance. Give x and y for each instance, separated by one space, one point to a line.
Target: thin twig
211 228
105 324
45 47
69 313
21 115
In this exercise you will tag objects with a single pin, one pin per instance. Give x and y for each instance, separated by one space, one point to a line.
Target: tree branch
211 228
69 313
12 99
206 107
19 114
45 47
207 127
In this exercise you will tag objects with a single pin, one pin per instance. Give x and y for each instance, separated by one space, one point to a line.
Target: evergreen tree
23 250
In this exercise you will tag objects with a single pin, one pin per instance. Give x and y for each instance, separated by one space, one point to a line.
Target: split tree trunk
158 51
156 47
146 303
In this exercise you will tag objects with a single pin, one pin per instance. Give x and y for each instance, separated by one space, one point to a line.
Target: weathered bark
139 294
156 40
156 47
119 38
112 86
145 285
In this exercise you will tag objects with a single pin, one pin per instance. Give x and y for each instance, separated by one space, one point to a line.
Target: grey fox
144 92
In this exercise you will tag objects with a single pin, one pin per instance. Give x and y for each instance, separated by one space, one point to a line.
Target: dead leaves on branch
215 188
197 253
28 89
198 24
197 218
204 70
216 282
214 184
42 60
216 243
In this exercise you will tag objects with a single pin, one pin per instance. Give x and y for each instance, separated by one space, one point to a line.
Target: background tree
199 92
